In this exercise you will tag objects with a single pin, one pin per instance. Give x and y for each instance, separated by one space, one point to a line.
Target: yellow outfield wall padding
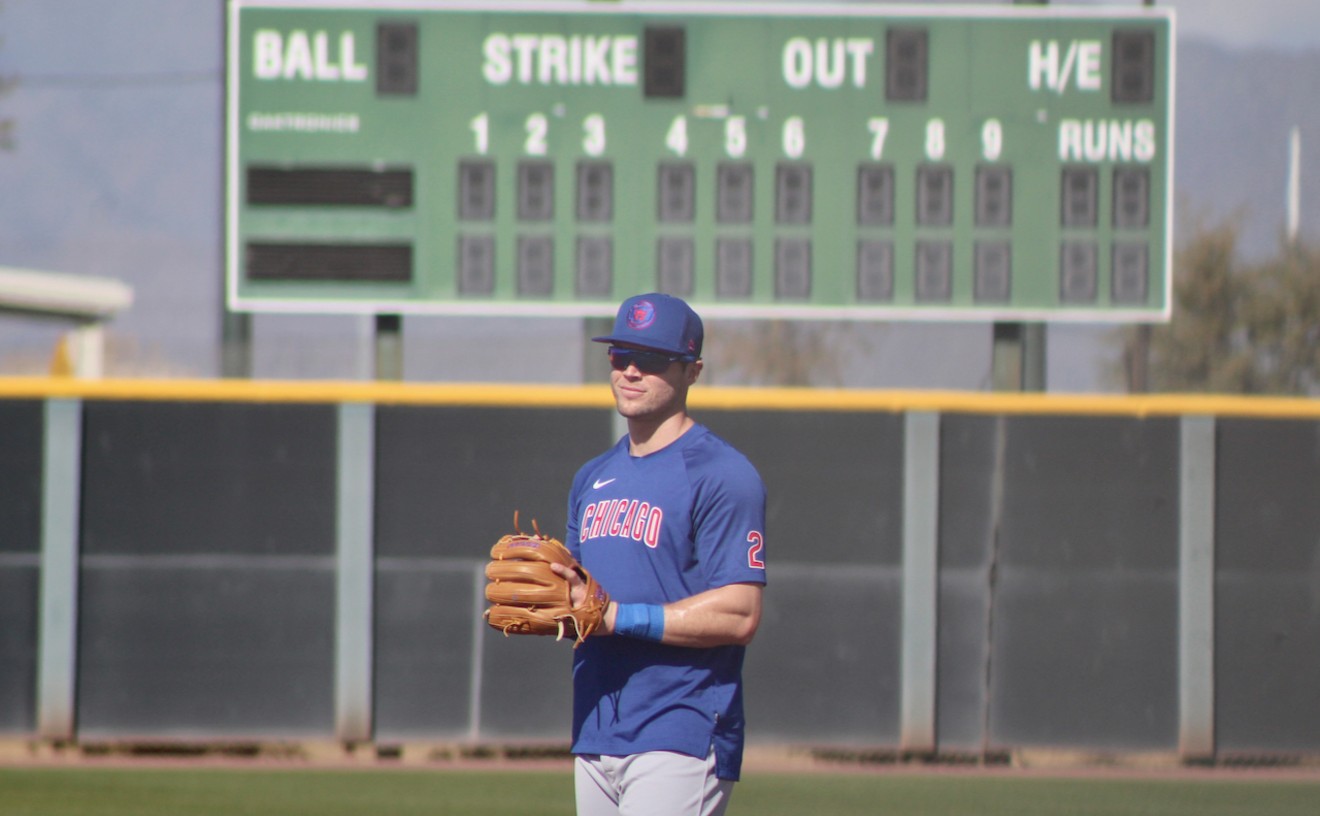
597 395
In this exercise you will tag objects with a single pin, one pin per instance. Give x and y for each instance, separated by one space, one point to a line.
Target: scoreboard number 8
935 139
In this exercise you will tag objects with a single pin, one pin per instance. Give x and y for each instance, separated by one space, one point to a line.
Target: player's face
653 395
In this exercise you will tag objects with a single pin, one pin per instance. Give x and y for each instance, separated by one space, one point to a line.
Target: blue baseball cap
660 322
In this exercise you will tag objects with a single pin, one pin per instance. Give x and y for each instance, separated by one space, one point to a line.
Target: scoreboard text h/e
811 160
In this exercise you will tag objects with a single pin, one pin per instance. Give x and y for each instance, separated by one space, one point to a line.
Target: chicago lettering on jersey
622 518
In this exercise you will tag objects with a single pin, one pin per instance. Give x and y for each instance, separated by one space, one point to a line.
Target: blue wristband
645 621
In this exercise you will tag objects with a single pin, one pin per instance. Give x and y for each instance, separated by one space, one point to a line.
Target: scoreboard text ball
808 160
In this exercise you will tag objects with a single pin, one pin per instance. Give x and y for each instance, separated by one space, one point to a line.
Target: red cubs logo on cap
641 315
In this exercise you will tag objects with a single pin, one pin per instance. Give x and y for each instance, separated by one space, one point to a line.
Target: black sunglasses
647 362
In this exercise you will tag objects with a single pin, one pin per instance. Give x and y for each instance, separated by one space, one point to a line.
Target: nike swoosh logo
599 483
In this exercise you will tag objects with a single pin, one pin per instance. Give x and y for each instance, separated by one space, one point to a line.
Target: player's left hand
536 587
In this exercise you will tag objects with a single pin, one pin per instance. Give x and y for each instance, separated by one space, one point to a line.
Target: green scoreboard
809 160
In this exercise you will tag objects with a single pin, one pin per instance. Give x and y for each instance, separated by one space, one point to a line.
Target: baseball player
671 521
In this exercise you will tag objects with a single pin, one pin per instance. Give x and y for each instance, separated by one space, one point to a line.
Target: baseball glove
528 598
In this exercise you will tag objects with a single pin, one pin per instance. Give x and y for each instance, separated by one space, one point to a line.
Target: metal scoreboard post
997 163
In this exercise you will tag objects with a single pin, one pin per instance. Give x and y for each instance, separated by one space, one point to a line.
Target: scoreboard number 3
593 135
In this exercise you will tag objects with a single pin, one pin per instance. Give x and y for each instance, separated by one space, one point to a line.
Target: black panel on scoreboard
665 53
906 64
396 59
376 263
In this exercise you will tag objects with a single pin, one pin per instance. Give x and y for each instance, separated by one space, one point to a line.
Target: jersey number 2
757 541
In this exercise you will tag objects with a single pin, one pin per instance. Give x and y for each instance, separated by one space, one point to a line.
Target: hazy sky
52 34
141 50
1243 23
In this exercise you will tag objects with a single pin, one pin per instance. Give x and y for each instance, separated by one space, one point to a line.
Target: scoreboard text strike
827 161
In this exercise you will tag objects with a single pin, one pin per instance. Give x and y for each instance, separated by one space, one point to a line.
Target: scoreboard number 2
538 127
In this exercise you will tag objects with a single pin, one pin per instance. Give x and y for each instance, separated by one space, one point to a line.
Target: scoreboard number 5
735 136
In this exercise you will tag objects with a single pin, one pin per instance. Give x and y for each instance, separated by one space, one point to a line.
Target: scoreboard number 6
795 137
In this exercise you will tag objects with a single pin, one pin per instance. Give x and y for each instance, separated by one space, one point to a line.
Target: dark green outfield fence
948 572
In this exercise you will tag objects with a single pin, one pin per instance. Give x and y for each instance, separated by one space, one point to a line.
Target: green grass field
120 791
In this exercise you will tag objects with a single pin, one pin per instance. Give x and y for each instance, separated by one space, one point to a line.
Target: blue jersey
654 529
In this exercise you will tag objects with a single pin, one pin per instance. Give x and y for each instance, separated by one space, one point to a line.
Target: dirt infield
759 759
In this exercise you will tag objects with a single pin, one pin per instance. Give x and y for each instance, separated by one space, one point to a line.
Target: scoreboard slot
390 188
1131 198
536 190
675 193
595 191
1129 276
992 272
906 64
792 268
934 272
994 196
793 193
476 190
674 265
476 264
365 263
1078 272
733 193
875 271
396 59
595 266
875 195
733 267
536 265
1079 202
934 195
1133 79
